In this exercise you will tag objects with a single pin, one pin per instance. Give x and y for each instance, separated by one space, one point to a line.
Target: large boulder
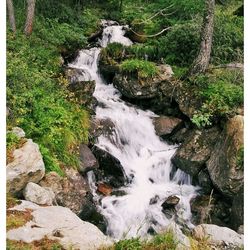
221 237
27 166
38 194
112 171
87 159
131 87
58 223
192 155
165 125
225 164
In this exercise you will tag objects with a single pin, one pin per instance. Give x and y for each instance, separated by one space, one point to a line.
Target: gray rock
27 166
218 236
237 214
55 220
165 125
38 194
223 165
18 132
87 159
131 87
192 155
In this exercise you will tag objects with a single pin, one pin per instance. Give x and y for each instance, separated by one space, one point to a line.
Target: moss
17 219
43 244
11 201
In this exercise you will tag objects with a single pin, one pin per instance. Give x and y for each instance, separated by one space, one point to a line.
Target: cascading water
145 158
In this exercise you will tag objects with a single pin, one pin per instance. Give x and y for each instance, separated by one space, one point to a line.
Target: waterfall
141 152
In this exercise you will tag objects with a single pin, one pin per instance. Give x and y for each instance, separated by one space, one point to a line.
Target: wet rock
131 87
154 200
170 202
224 166
237 214
218 236
90 213
108 72
192 155
111 167
58 221
210 209
94 37
27 166
180 136
99 127
205 182
88 161
118 193
104 189
38 194
165 125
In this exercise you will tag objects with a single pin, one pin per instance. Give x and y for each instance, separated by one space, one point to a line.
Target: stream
145 158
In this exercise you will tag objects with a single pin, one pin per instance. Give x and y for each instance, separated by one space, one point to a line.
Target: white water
144 157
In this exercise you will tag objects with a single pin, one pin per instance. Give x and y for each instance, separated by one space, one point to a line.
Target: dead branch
149 36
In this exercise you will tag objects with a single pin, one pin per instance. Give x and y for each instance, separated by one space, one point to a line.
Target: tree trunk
201 62
11 15
30 17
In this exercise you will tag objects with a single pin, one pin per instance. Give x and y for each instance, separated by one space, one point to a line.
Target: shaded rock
170 202
165 125
224 166
83 92
218 236
240 229
18 132
180 136
211 210
93 37
204 181
38 194
58 221
118 193
87 159
27 166
104 189
111 167
154 200
195 151
237 214
53 181
108 72
131 87
90 213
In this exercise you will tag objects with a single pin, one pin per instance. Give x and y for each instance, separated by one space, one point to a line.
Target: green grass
142 68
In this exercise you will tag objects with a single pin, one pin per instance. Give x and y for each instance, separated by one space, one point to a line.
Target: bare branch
157 34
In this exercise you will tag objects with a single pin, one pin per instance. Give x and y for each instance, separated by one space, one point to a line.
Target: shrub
143 69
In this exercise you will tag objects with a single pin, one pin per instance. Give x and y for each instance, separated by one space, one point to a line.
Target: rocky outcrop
56 222
224 165
18 132
204 181
165 125
192 155
131 87
27 166
70 191
221 237
87 159
110 168
38 194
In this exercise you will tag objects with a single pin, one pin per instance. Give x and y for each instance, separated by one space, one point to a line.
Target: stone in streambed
104 189
170 202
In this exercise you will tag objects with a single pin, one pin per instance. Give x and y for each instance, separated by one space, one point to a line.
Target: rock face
38 194
87 159
237 214
218 236
195 151
70 191
166 125
131 87
204 181
111 167
223 166
27 166
61 224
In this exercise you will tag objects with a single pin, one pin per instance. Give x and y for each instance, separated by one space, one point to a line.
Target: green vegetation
142 68
159 242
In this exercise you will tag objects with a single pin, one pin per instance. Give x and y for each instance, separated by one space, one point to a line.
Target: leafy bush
11 140
143 69
113 53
